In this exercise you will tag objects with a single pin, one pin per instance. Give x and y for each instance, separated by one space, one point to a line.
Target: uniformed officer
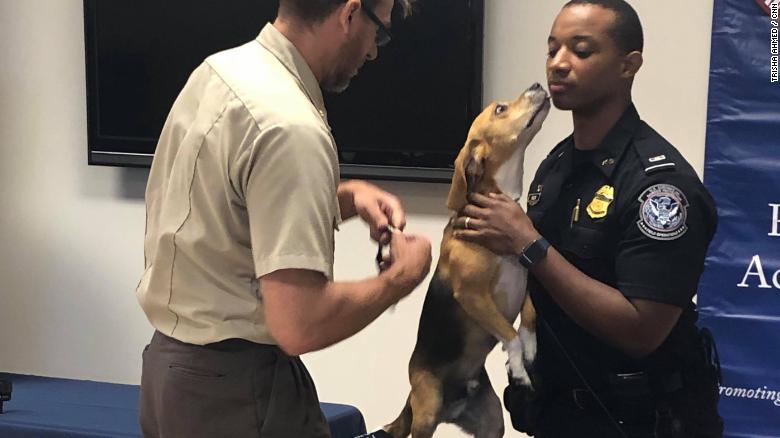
615 238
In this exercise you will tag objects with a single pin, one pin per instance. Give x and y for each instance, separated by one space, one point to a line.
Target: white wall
71 235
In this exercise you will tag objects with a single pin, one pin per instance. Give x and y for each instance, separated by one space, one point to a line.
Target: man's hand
496 222
408 262
375 206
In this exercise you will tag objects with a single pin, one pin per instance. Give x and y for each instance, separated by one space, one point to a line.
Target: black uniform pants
560 419
234 388
630 418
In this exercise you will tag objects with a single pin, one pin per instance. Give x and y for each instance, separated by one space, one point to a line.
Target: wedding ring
467 222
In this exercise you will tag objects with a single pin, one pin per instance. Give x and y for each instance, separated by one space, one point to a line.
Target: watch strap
535 252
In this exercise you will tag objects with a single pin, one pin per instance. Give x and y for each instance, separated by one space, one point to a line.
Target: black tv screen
405 116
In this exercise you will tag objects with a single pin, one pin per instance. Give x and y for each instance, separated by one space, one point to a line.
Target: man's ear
469 168
632 62
346 13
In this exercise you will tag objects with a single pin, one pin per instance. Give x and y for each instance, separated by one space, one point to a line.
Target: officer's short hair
627 31
314 11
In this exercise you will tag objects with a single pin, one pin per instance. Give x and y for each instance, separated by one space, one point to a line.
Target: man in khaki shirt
242 202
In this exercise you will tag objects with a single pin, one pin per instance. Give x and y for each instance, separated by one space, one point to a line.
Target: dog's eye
500 109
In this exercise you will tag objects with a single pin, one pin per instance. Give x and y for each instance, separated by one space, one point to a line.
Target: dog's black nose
536 86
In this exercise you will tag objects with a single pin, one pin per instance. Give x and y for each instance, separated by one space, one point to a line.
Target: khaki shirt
243 183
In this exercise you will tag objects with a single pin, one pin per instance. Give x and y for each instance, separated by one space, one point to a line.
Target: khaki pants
230 389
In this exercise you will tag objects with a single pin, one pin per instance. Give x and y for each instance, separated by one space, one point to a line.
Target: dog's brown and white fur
475 295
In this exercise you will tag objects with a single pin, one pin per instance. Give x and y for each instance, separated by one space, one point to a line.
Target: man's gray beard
337 87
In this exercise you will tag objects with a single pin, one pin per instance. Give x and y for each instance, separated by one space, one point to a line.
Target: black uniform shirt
634 215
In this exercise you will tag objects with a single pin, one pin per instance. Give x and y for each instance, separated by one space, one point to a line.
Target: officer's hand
378 209
408 262
496 222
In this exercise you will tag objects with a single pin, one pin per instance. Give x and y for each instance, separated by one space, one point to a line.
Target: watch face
535 252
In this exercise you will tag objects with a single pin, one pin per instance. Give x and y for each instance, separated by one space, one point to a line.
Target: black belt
236 344
227 345
622 388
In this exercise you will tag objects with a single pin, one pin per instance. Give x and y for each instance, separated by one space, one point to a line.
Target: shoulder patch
662 213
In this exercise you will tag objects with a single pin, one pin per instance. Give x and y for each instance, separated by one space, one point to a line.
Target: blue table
43 407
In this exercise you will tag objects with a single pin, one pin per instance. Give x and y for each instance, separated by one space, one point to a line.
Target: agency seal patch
663 212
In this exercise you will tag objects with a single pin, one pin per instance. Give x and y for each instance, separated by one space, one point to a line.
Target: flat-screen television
405 116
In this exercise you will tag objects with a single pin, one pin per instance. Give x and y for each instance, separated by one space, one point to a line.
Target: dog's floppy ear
469 168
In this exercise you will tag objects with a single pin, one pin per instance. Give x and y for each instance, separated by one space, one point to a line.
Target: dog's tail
402 426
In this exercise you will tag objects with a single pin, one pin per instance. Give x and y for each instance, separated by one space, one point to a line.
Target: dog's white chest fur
509 177
511 287
510 290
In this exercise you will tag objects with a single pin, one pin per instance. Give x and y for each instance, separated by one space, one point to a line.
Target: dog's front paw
528 341
515 366
517 372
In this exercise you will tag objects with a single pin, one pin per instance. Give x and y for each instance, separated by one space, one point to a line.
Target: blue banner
739 295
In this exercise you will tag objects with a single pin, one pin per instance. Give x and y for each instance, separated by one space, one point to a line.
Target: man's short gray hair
314 11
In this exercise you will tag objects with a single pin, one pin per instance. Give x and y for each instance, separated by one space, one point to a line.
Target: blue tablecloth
43 407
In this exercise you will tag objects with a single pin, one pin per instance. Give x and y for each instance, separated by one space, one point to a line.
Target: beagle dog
475 295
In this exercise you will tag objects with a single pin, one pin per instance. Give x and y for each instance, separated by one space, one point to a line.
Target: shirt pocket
586 243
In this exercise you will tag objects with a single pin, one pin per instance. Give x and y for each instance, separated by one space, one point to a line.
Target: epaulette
552 157
654 155
557 150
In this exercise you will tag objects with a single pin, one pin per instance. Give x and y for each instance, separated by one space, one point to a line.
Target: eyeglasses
383 35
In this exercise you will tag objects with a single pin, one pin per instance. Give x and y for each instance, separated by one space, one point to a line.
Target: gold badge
600 203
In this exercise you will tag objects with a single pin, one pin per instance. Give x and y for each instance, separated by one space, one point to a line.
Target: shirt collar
611 149
286 52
